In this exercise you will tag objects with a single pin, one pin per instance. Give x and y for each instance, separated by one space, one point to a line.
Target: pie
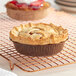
38 39
22 11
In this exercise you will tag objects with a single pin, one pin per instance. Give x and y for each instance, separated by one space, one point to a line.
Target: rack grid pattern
33 64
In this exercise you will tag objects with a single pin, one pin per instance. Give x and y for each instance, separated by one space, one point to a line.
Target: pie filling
40 4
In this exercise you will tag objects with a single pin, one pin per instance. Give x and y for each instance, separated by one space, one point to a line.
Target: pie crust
38 34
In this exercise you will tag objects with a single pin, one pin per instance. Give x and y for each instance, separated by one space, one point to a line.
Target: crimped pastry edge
53 40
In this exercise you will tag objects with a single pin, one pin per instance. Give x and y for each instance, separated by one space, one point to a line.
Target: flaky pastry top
38 34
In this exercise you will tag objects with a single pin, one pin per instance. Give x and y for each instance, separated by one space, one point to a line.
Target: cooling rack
33 64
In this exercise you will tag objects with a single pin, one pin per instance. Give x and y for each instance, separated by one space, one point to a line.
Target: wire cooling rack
32 64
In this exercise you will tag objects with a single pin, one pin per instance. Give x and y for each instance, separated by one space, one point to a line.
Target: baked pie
38 39
28 9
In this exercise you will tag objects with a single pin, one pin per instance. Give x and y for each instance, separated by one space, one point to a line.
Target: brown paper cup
39 50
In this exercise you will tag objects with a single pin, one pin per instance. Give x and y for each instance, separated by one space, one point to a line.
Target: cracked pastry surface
38 34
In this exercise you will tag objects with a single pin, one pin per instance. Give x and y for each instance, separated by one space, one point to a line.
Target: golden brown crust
12 6
38 34
30 15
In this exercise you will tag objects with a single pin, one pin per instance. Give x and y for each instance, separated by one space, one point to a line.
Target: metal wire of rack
33 64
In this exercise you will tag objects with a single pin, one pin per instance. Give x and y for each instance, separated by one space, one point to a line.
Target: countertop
69 70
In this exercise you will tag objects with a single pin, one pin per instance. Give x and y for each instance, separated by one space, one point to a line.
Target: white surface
6 73
26 1
69 70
